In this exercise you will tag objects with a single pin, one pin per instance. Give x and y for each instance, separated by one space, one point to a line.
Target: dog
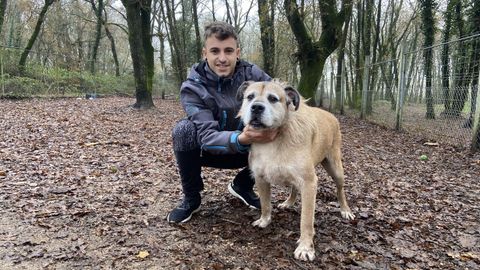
307 136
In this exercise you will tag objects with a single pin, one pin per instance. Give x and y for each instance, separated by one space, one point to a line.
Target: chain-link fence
437 100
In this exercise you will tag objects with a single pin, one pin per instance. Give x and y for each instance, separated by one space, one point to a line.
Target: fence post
2 50
332 78
476 122
366 72
343 89
322 91
401 88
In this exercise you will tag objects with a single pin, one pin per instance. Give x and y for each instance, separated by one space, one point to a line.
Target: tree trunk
266 15
357 87
114 49
178 59
103 21
198 38
213 11
392 45
474 21
312 55
98 34
33 37
3 8
461 80
446 58
428 27
340 69
159 18
413 69
374 68
141 49
367 45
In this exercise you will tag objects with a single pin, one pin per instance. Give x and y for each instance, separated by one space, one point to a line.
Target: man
213 136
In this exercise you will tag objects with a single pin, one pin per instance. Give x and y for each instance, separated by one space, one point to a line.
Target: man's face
221 55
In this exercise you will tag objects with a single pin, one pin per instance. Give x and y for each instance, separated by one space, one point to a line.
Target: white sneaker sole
234 193
185 220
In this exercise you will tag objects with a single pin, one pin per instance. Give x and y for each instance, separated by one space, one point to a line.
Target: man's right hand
251 135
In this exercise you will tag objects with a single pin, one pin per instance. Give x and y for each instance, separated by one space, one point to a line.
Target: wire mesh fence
431 92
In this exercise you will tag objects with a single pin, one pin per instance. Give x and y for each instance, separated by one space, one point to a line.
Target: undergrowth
38 81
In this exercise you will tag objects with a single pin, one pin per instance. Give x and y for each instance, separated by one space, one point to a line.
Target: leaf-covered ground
86 184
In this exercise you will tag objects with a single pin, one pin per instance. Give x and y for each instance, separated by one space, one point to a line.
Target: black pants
190 160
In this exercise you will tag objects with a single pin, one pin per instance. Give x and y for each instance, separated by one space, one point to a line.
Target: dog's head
266 104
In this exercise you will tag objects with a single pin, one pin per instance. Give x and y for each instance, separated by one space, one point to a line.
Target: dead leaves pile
88 183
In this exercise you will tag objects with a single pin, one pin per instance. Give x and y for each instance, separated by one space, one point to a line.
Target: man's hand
250 135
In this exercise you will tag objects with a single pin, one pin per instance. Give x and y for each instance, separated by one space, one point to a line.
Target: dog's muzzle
256 111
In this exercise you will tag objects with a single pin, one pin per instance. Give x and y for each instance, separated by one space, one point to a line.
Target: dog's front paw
262 222
304 252
347 214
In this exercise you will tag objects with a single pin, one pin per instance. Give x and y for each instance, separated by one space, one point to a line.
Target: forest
347 54
90 93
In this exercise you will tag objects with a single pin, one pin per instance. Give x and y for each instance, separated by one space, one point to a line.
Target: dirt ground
87 184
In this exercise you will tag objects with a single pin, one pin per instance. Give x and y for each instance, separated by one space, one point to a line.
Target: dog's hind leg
333 166
263 188
288 203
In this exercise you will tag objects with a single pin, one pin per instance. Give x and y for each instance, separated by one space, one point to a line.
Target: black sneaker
184 211
248 197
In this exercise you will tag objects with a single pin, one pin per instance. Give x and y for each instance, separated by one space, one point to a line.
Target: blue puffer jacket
210 102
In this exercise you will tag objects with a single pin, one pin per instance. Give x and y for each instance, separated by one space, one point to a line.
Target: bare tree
33 37
367 43
340 63
102 20
213 10
98 33
236 16
175 41
113 45
394 31
461 78
375 52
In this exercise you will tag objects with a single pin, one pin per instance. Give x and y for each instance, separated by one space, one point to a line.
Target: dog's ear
293 97
242 88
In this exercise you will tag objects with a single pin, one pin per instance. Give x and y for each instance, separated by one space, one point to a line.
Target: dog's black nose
257 108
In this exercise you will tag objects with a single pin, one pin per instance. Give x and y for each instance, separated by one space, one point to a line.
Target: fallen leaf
143 254
431 144
91 144
469 256
463 256
467 241
407 253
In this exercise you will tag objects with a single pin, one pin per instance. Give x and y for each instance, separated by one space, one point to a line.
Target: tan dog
307 136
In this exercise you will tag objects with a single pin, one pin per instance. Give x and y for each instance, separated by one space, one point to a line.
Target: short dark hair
221 30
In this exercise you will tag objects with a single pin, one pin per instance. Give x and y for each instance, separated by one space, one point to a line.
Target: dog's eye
250 97
272 99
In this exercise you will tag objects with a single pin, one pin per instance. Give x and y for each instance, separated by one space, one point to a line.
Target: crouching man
212 135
